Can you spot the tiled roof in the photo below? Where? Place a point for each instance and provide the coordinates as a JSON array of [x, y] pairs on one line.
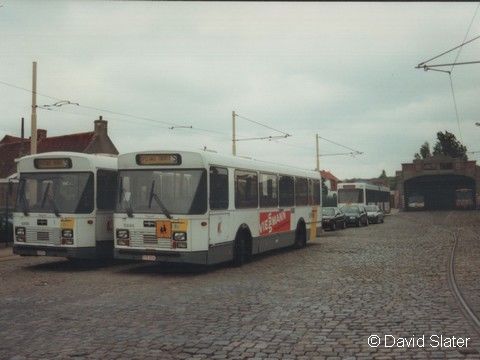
[[11, 148], [328, 175]]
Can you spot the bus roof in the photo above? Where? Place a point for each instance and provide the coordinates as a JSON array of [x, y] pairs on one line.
[[361, 185], [87, 161], [191, 159]]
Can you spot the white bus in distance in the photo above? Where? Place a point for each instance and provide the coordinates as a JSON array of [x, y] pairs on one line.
[[364, 194], [205, 208], [65, 205]]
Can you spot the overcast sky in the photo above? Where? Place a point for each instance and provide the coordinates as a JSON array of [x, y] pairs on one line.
[[342, 70]]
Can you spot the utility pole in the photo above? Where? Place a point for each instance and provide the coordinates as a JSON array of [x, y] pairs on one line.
[[318, 154], [33, 139], [234, 140]]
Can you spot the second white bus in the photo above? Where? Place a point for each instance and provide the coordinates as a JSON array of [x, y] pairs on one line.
[[364, 194], [204, 208]]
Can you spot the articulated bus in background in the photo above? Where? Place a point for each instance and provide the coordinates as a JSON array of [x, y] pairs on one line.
[[364, 194], [65, 204], [204, 208]]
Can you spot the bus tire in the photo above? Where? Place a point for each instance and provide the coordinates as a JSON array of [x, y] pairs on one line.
[[242, 252], [300, 236]]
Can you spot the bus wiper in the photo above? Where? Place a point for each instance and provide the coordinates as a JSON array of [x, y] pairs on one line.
[[129, 209], [50, 199], [153, 195], [23, 198]]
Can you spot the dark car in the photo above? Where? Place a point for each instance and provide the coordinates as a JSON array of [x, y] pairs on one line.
[[333, 218], [375, 215], [355, 215]]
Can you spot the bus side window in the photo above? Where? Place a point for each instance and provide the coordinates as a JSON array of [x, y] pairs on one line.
[[268, 190], [106, 189], [218, 188], [301, 191], [246, 189], [286, 190]]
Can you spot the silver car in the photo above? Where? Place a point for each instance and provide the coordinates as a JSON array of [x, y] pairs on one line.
[[375, 214]]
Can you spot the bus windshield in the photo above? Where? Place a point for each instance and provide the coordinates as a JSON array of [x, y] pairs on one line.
[[346, 196], [70, 192], [163, 191]]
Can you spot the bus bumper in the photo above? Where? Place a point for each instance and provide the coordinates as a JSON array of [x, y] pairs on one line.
[[39, 250], [190, 257]]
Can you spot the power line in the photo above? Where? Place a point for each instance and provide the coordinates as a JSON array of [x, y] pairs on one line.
[[455, 106], [465, 37], [61, 102], [344, 146], [423, 63], [261, 124]]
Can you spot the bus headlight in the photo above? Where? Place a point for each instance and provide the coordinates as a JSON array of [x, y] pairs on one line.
[[180, 236], [67, 233], [123, 237], [67, 236], [20, 233]]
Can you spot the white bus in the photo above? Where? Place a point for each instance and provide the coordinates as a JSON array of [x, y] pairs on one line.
[[64, 206], [364, 194], [204, 208]]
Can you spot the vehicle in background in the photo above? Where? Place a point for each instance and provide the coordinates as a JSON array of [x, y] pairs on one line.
[[205, 208], [464, 199], [374, 214], [416, 202], [355, 215], [364, 194], [333, 218], [64, 205]]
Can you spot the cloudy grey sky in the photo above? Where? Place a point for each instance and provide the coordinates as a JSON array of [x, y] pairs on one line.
[[344, 70]]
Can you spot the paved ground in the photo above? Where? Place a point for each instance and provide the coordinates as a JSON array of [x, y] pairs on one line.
[[320, 302]]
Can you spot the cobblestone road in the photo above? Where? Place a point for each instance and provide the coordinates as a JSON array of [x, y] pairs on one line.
[[319, 302]]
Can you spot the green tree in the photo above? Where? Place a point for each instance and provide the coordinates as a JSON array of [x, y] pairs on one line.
[[324, 188], [424, 152], [447, 144], [383, 175]]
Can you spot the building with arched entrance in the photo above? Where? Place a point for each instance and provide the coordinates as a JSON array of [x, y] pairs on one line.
[[438, 183]]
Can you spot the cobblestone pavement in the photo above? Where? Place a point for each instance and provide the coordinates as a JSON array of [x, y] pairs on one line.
[[319, 302]]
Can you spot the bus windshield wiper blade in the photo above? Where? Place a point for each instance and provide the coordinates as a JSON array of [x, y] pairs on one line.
[[23, 197], [121, 192], [50, 200], [153, 195]]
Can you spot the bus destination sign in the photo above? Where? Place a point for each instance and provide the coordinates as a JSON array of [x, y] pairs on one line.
[[159, 159], [58, 163]]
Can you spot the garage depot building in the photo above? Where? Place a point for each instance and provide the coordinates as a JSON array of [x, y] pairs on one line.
[[438, 183]]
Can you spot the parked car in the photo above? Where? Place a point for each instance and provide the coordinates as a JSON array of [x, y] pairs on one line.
[[355, 215], [375, 214], [333, 218]]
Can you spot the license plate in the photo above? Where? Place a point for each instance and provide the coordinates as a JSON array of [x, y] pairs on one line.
[[41, 252], [149, 257]]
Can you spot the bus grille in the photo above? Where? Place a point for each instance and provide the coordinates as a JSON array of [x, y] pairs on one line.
[[149, 239], [145, 238], [43, 235]]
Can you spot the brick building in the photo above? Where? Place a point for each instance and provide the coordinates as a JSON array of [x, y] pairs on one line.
[[435, 180]]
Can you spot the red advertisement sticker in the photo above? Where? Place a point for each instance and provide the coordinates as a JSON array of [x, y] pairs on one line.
[[272, 222]]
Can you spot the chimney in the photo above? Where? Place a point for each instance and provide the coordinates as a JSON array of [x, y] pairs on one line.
[[101, 128], [41, 134]]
